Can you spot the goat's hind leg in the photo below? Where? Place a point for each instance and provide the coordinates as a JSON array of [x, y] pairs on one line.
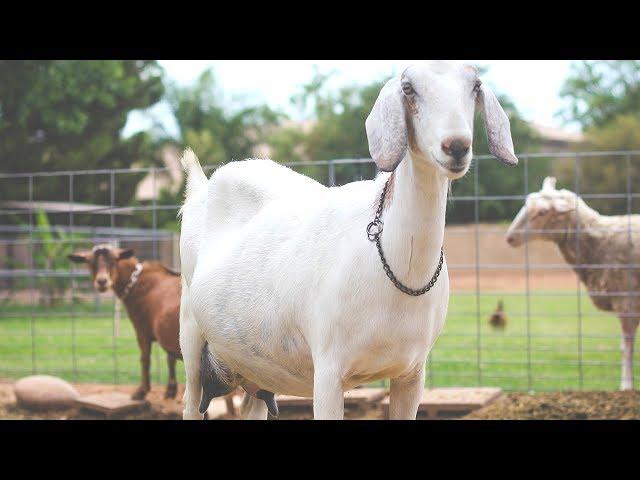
[[172, 385], [191, 345], [629, 326], [406, 393], [253, 408]]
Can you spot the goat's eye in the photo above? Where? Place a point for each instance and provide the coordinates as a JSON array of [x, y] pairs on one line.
[[476, 86], [407, 89]]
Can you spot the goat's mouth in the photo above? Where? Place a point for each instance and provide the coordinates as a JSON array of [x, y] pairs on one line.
[[512, 240], [102, 288], [457, 169]]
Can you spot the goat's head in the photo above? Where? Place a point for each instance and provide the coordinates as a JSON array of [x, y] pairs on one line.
[[428, 110], [103, 264], [541, 214]]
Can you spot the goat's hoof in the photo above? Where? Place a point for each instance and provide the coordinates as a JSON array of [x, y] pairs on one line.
[[139, 394], [171, 391]]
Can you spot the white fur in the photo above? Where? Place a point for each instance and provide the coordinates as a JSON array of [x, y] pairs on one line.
[[288, 291]]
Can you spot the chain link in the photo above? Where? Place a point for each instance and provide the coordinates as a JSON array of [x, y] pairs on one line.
[[374, 231]]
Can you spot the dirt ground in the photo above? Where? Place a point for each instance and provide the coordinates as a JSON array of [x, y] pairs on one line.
[[563, 406], [161, 409], [511, 406]]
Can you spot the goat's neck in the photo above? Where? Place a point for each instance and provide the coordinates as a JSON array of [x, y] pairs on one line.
[[414, 218], [575, 233], [125, 269]]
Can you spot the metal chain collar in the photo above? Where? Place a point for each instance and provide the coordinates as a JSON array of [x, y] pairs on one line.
[[374, 231], [132, 280]]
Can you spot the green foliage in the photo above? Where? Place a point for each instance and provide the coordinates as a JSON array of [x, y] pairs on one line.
[[337, 132], [620, 133], [51, 247], [607, 174], [604, 97], [215, 133], [68, 115], [598, 91]]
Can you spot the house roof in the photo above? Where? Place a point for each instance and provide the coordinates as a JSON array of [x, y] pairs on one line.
[[169, 179], [555, 134]]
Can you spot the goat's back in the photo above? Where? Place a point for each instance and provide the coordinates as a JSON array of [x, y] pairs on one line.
[[235, 193]]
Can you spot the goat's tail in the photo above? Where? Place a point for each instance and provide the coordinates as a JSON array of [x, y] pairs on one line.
[[196, 179]]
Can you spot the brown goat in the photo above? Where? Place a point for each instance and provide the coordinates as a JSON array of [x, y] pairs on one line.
[[151, 294]]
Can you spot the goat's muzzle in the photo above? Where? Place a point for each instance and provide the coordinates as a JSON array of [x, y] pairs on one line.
[[102, 284]]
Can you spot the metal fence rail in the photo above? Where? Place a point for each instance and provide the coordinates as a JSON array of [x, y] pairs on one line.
[[51, 320]]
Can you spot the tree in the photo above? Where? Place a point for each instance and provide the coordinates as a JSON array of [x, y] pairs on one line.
[[217, 133], [607, 174], [67, 115], [598, 91], [604, 97], [337, 131]]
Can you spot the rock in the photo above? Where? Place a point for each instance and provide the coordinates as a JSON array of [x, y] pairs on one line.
[[41, 392]]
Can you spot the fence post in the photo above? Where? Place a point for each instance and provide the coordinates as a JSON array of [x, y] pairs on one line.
[[527, 279], [32, 286], [579, 286], [116, 303], [73, 288], [476, 188]]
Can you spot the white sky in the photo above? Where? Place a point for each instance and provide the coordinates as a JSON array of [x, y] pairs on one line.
[[533, 85]]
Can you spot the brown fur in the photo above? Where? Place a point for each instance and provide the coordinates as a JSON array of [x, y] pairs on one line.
[[153, 305]]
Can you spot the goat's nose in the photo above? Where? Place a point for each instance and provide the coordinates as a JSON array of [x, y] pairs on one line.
[[456, 147], [101, 282]]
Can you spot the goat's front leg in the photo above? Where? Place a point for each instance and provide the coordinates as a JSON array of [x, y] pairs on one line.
[[405, 395], [144, 342], [629, 327], [328, 393], [172, 385]]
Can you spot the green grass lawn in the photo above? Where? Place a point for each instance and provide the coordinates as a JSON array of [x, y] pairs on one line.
[[549, 349]]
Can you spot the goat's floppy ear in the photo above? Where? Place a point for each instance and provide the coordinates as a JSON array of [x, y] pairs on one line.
[[549, 183], [498, 129], [124, 253], [386, 127], [82, 256]]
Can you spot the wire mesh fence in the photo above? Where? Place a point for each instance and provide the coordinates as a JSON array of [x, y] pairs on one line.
[[53, 322]]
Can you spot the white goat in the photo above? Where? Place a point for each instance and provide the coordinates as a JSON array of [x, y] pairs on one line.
[[588, 240], [280, 279]]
